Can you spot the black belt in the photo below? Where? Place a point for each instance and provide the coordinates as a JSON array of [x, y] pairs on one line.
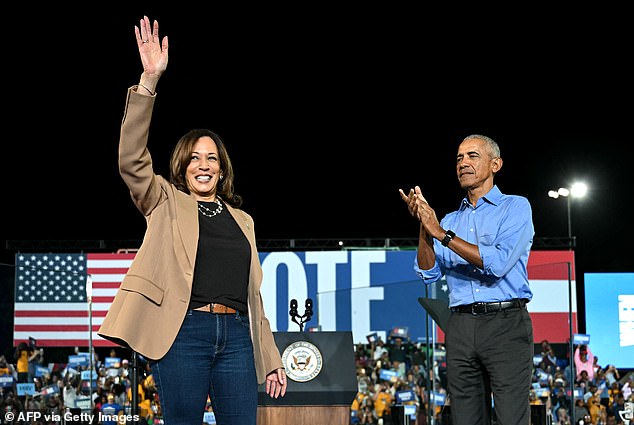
[[492, 307]]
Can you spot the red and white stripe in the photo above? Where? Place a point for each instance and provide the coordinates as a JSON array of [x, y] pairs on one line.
[[554, 295], [59, 324]]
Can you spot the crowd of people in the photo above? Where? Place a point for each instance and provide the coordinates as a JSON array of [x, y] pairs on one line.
[[600, 391], [394, 379], [386, 370], [61, 391]]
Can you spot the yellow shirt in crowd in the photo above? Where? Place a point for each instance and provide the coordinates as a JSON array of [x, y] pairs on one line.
[[23, 362], [382, 403]]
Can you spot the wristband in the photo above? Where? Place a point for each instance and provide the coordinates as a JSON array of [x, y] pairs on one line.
[[449, 235]]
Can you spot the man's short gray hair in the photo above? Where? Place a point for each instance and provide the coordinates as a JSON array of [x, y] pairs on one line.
[[494, 149]]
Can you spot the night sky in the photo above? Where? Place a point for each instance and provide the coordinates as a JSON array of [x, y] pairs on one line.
[[326, 114]]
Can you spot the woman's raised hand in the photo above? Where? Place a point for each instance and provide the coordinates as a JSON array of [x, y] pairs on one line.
[[152, 50]]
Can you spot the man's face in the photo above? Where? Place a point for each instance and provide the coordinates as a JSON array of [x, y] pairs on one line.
[[475, 164]]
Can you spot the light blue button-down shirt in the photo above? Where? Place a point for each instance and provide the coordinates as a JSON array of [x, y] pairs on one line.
[[502, 227]]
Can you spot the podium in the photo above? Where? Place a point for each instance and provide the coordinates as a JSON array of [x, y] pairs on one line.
[[322, 380]]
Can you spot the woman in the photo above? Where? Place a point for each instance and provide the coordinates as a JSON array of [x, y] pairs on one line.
[[191, 300], [22, 355], [584, 361]]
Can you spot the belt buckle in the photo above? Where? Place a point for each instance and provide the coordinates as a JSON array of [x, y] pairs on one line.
[[474, 308]]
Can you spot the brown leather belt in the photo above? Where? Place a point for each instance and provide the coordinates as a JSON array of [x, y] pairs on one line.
[[217, 309]]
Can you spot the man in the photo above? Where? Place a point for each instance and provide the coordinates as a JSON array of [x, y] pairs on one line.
[[482, 249], [110, 412], [70, 394]]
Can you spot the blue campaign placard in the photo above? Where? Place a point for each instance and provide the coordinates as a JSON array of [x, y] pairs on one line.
[[438, 398], [25, 388], [112, 361], [6, 381], [405, 396], [49, 389], [85, 375], [410, 410], [78, 360], [581, 339], [41, 371], [388, 375]]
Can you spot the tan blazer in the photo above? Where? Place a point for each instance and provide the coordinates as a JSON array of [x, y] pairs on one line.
[[152, 301]]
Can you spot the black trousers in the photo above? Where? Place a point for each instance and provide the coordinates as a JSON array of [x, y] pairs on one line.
[[490, 354]]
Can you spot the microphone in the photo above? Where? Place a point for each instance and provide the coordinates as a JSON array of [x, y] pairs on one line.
[[308, 312], [293, 310]]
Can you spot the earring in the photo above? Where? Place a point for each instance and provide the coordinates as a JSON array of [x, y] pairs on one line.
[[221, 177]]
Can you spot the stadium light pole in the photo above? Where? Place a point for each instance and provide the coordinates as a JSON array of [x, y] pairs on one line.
[[90, 354], [577, 190]]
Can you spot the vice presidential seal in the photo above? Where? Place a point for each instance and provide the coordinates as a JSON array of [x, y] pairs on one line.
[[302, 361]]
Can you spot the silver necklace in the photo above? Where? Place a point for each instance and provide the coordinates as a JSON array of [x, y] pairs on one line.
[[208, 212]]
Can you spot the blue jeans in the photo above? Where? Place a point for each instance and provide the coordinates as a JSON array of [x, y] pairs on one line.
[[212, 355]]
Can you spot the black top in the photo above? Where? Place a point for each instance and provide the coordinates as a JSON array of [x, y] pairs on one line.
[[221, 273]]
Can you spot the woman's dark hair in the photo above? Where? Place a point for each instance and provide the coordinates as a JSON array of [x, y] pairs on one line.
[[181, 157], [18, 350]]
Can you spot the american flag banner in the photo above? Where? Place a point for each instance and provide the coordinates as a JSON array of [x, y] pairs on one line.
[[51, 302]]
